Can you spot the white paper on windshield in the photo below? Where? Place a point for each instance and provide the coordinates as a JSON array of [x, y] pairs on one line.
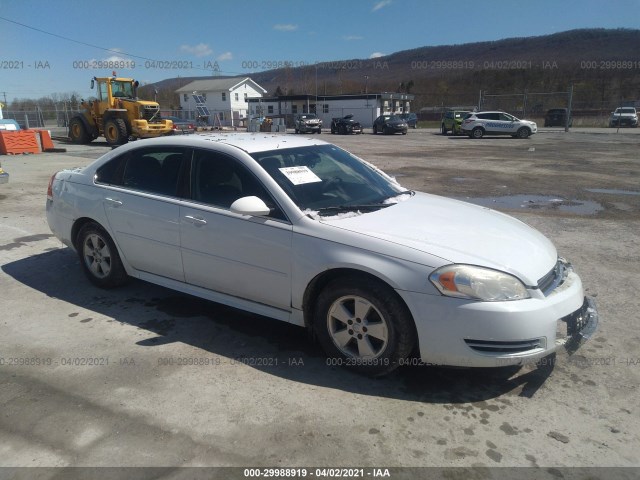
[[300, 175]]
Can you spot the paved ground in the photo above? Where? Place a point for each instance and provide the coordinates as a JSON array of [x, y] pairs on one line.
[[142, 376]]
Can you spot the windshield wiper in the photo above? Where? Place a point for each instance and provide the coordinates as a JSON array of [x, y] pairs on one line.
[[404, 192], [368, 207]]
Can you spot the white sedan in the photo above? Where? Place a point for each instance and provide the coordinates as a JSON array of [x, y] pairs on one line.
[[304, 232]]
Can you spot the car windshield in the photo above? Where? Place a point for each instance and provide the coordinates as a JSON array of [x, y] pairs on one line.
[[327, 179], [308, 116], [626, 110]]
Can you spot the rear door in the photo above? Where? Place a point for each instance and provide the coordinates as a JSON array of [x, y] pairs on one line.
[[141, 198], [240, 255], [491, 122]]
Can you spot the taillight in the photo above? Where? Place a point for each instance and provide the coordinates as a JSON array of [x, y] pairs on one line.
[[50, 187]]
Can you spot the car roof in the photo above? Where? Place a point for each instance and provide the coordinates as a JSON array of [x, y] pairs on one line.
[[248, 142], [490, 111]]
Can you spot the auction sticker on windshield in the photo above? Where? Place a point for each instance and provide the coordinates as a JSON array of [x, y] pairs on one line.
[[300, 175]]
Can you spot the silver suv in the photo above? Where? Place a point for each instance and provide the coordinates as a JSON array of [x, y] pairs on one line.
[[478, 124], [308, 122], [624, 117]]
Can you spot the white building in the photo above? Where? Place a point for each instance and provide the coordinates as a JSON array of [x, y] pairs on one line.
[[226, 99], [365, 108]]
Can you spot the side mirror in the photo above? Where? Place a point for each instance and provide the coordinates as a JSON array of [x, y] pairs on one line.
[[253, 206], [93, 83]]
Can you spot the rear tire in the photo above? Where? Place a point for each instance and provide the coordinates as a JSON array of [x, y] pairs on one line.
[[477, 133], [99, 257], [115, 132], [443, 129], [363, 325]]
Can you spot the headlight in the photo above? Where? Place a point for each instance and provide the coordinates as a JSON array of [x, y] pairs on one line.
[[477, 283]]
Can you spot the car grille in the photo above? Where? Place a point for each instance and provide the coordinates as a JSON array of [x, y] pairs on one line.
[[554, 278], [491, 346]]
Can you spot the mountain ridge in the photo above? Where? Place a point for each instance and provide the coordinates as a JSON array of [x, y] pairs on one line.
[[598, 61]]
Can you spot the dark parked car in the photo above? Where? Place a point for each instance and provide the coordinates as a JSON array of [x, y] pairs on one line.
[[557, 117], [345, 125], [181, 126], [389, 124], [411, 119]]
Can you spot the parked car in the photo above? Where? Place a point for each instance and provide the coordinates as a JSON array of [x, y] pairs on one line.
[[389, 124], [4, 176], [181, 126], [624, 117], [307, 122], [307, 233], [557, 117], [478, 124], [411, 119], [452, 121], [345, 125]]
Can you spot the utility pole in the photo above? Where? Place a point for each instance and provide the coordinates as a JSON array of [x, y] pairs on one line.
[[566, 120]]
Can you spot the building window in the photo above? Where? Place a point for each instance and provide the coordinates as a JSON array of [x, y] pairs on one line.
[[294, 108], [186, 97], [325, 108], [270, 109], [245, 96], [237, 97], [224, 96]]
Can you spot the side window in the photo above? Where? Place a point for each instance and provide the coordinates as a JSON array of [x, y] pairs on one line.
[[219, 180], [153, 170], [505, 117], [111, 172]]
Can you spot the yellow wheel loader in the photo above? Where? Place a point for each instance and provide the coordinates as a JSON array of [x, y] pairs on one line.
[[117, 114]]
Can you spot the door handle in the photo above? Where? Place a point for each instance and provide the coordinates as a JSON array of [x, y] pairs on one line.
[[113, 201], [196, 220]]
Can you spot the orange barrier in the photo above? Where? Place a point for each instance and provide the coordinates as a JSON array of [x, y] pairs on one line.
[[45, 140], [18, 142]]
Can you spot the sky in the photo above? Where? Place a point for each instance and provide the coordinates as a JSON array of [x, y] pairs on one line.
[[49, 47]]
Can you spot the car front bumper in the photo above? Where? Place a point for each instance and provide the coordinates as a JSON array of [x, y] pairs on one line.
[[466, 333], [309, 128], [624, 122]]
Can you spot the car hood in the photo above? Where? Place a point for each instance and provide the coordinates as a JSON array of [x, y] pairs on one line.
[[458, 232]]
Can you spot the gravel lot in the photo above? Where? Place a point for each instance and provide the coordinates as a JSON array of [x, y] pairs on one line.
[[143, 376]]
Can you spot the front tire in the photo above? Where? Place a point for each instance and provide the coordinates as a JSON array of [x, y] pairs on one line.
[[99, 257], [523, 132], [78, 132], [115, 132], [443, 129], [364, 326]]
